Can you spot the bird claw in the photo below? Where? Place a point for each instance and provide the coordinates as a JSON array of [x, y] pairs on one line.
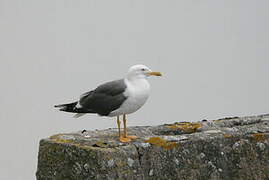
[[132, 137], [127, 139]]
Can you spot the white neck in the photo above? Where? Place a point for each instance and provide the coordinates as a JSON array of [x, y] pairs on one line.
[[132, 77], [138, 84]]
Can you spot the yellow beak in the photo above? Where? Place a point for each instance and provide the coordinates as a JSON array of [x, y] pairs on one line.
[[154, 74]]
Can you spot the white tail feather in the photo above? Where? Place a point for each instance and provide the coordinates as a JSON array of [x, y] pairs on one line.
[[78, 115]]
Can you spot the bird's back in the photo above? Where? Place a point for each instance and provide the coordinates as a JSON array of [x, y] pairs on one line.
[[105, 98]]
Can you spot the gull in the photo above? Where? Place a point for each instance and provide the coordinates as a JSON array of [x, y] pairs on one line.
[[116, 98]]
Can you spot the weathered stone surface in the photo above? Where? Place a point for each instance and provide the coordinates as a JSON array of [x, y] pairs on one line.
[[229, 148]]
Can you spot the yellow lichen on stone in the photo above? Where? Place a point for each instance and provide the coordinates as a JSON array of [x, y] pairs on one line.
[[186, 127], [120, 163], [57, 138], [161, 142], [227, 135], [258, 136], [217, 120], [100, 144]]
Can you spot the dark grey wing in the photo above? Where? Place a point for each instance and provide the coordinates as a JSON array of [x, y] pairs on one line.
[[105, 98]]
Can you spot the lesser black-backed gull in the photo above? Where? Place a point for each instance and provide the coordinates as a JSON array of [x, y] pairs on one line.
[[115, 98]]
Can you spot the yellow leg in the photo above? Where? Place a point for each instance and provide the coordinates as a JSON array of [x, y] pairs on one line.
[[125, 135], [124, 126], [122, 138], [118, 122]]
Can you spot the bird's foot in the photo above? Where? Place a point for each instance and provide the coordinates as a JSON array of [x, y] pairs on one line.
[[132, 137], [127, 138]]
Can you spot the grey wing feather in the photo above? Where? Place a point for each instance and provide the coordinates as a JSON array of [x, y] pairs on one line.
[[105, 98]]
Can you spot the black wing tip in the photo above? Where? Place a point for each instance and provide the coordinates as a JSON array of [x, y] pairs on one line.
[[60, 105], [60, 108]]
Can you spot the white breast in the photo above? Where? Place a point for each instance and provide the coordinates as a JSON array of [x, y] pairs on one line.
[[137, 93]]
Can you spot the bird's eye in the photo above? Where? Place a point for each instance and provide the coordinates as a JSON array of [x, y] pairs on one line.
[[143, 69]]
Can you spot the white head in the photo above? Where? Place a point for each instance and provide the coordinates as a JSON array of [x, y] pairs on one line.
[[141, 71]]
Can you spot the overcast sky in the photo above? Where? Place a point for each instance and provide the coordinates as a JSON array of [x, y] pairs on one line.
[[213, 54]]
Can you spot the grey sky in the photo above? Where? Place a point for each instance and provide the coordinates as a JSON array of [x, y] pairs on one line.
[[213, 54]]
